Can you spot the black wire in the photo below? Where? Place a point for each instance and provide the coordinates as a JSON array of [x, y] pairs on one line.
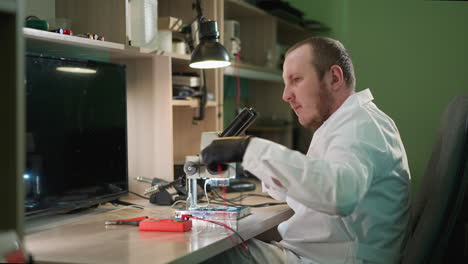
[[227, 200], [250, 205], [245, 195], [202, 100], [197, 6], [139, 195], [119, 202]]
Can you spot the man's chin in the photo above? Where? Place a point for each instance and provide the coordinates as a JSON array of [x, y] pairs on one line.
[[304, 123], [310, 124]]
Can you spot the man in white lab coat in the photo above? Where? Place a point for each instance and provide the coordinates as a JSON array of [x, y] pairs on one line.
[[351, 192]]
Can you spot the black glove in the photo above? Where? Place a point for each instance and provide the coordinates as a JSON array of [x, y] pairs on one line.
[[224, 150]]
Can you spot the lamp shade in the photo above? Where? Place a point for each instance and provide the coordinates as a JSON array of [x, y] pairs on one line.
[[209, 55]]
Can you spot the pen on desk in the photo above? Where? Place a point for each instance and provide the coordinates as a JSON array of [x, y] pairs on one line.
[[131, 221]]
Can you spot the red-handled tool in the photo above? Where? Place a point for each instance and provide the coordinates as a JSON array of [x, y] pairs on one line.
[[130, 221]]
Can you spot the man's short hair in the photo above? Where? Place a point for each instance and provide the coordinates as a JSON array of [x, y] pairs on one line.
[[328, 52]]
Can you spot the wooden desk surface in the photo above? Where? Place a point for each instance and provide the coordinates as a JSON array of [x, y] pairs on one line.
[[88, 240]]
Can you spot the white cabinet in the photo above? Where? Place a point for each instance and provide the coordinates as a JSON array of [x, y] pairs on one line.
[[161, 131]]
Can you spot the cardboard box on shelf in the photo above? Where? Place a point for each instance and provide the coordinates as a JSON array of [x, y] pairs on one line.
[[170, 23]]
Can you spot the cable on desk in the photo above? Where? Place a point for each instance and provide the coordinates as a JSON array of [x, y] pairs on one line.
[[176, 202], [113, 212], [245, 195], [206, 195], [244, 246], [119, 202], [139, 195], [137, 206], [251, 205]]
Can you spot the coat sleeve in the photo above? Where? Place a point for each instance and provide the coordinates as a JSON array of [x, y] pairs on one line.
[[277, 193], [333, 185]]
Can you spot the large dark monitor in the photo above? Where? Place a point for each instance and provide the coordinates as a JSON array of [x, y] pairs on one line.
[[76, 134]]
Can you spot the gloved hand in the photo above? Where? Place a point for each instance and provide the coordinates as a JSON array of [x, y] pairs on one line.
[[225, 150]]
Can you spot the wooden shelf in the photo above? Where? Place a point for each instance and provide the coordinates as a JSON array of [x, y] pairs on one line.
[[182, 58], [177, 56], [254, 72], [192, 103], [237, 8], [54, 43], [240, 9]]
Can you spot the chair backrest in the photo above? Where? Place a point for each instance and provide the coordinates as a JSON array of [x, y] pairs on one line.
[[438, 201]]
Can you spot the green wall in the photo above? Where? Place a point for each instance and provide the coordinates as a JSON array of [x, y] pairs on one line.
[[411, 54]]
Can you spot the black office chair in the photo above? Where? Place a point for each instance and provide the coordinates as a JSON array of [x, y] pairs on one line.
[[436, 209]]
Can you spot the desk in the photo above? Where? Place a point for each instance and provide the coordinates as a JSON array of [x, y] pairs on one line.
[[88, 240]]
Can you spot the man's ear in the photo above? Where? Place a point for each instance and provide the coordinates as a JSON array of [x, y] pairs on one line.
[[336, 77]]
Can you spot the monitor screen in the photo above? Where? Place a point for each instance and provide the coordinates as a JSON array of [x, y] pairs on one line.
[[76, 133]]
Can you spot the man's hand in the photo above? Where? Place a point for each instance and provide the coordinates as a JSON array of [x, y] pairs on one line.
[[225, 150]]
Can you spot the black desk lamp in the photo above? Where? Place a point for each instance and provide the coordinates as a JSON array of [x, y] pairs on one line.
[[208, 54]]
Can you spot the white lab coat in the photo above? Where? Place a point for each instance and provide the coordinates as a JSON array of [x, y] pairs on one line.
[[350, 194]]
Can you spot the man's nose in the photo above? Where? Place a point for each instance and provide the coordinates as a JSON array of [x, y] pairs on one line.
[[287, 94]]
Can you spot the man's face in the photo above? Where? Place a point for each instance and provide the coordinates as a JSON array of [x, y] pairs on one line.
[[310, 98]]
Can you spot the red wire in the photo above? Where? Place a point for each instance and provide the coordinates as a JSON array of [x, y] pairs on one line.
[[245, 246], [220, 171]]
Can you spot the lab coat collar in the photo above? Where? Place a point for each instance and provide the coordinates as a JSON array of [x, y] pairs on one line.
[[363, 96]]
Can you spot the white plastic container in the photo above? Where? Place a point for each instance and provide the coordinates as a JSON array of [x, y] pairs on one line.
[[143, 28], [165, 40]]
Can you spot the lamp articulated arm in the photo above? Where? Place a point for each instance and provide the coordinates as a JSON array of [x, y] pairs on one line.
[[209, 53], [197, 6]]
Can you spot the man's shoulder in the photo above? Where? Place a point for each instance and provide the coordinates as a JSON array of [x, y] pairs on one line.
[[363, 123], [360, 117]]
